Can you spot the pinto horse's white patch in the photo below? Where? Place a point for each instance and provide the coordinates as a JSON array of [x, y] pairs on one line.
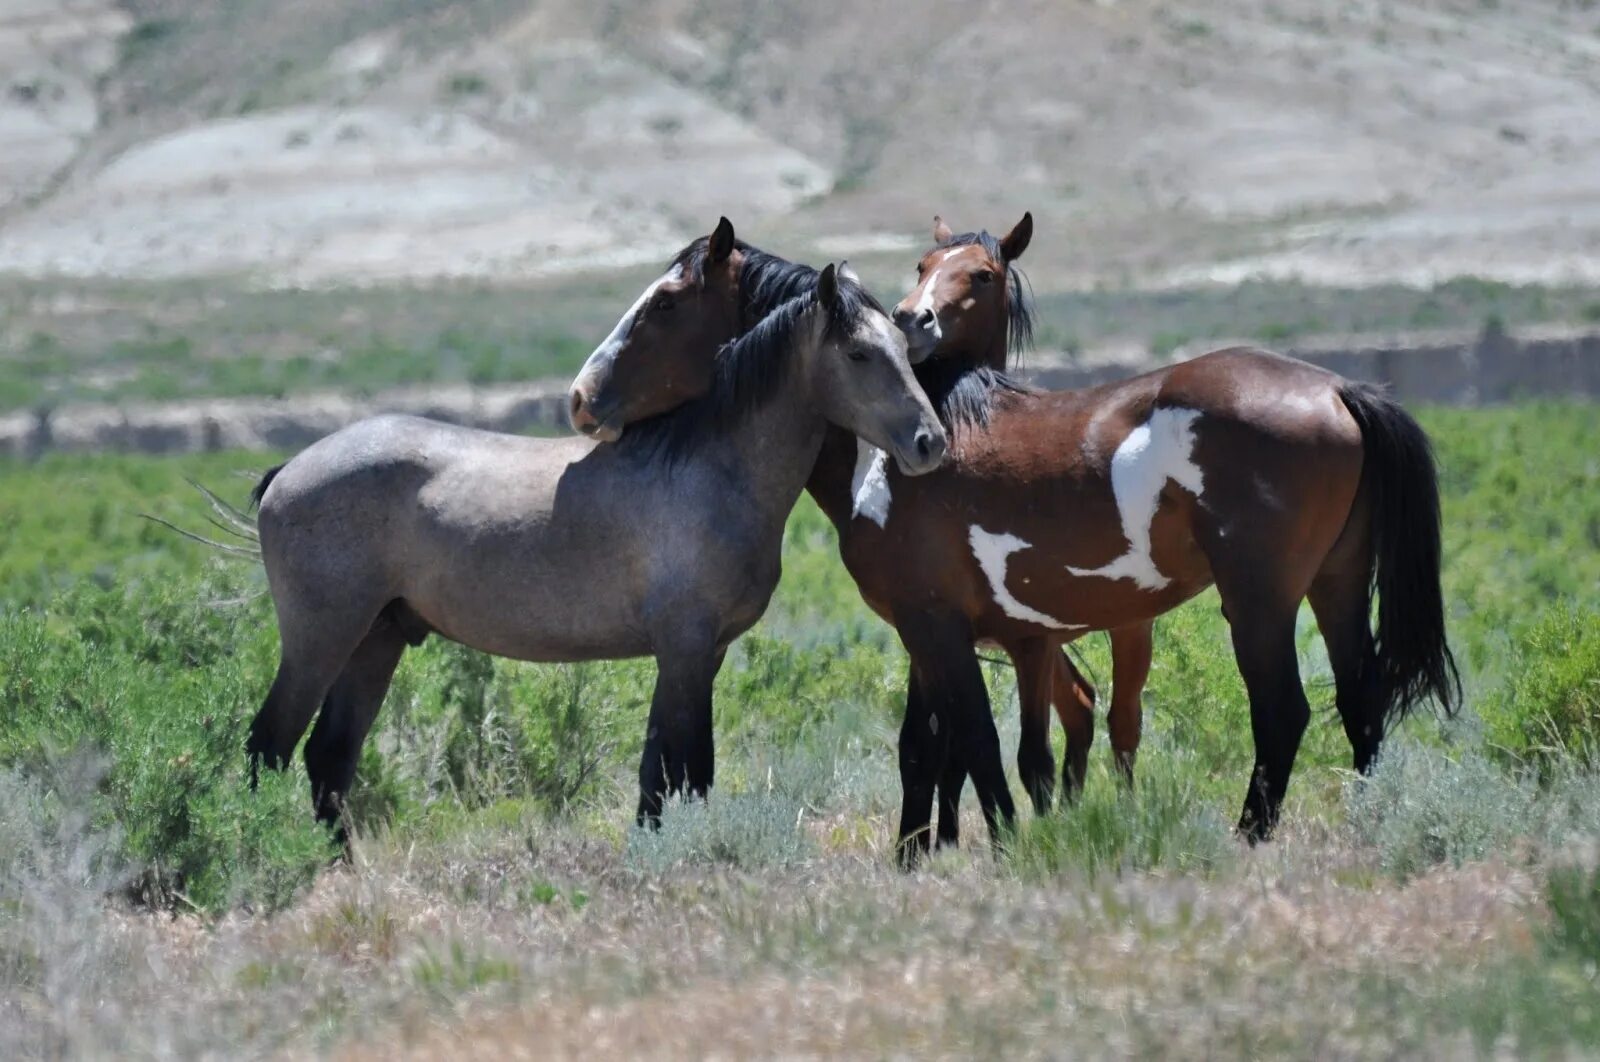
[[1158, 450], [992, 551], [869, 486]]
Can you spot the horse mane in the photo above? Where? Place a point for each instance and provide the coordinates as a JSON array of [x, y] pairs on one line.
[[965, 395], [1019, 292], [749, 371]]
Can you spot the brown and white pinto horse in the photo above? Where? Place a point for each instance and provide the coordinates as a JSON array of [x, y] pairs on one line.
[[1060, 513]]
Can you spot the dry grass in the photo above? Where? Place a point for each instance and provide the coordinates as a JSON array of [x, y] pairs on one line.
[[524, 938]]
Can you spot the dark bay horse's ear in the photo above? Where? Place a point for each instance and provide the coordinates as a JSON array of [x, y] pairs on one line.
[[941, 231], [1016, 241], [827, 287], [721, 241]]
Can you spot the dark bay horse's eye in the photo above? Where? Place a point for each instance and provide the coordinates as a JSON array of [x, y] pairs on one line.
[[983, 276], [662, 302]]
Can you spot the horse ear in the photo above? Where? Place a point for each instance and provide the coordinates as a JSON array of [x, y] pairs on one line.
[[828, 287], [846, 273], [941, 231], [1016, 241], [722, 241]]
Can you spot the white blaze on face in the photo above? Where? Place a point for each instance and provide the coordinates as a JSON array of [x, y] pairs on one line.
[[992, 552], [869, 486], [925, 300], [600, 360], [1158, 450]]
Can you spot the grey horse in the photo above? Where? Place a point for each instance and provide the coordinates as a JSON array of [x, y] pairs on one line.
[[561, 550]]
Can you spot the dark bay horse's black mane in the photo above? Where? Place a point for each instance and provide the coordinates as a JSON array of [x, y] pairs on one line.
[[774, 294]]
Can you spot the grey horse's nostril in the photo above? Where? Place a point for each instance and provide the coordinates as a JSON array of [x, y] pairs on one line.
[[928, 446], [577, 402]]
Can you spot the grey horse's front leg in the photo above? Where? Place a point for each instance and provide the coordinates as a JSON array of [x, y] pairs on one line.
[[679, 751]]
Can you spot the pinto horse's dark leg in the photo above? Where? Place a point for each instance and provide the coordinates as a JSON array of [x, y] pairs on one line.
[[334, 748], [1263, 645], [679, 750], [1342, 606], [953, 706], [1036, 661], [1130, 669]]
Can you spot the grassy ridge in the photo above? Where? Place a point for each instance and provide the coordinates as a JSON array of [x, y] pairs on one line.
[[131, 661]]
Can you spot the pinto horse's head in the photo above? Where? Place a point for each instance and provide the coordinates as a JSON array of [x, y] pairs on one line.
[[660, 353], [970, 300]]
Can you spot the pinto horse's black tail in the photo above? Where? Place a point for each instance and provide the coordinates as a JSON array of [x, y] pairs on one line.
[[260, 490], [1398, 475]]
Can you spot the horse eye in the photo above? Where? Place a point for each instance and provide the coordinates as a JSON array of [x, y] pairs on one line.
[[984, 276], [857, 354], [662, 302]]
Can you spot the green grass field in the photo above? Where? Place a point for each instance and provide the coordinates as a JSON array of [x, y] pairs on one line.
[[151, 904], [124, 341]]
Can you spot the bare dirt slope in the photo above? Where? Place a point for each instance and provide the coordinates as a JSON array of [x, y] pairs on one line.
[[1156, 142]]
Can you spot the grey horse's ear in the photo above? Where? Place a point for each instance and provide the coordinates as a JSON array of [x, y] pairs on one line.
[[1016, 241], [828, 287], [721, 241], [846, 273], [941, 231]]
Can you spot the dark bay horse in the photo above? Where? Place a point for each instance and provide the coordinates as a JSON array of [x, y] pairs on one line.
[[1065, 512], [561, 550]]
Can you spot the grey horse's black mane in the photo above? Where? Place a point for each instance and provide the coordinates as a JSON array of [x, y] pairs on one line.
[[774, 295], [1019, 301]]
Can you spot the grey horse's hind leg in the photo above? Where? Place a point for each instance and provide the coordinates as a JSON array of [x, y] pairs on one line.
[[314, 653], [334, 748]]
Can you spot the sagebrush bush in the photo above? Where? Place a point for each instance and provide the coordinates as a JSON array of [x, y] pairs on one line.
[[1548, 711], [745, 831], [1424, 806]]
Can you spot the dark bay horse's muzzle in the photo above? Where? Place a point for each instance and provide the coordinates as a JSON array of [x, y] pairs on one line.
[[586, 417]]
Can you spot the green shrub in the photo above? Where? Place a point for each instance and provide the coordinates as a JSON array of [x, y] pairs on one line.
[[1166, 821], [1549, 710], [1573, 895]]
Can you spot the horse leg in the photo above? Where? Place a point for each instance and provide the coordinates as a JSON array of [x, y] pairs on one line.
[[951, 782], [1130, 669], [1036, 661], [954, 705], [1342, 605], [1074, 700], [679, 750], [1263, 646], [348, 711], [314, 653]]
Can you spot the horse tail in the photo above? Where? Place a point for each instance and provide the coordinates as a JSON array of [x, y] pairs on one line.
[[1401, 481], [260, 490]]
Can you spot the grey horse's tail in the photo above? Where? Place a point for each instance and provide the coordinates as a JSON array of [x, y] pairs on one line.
[[260, 490]]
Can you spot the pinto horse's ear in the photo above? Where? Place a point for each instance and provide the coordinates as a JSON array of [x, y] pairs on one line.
[[941, 231], [1016, 241], [721, 241], [828, 287]]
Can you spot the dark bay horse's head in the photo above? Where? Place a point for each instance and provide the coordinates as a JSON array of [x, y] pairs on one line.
[[660, 353], [969, 301]]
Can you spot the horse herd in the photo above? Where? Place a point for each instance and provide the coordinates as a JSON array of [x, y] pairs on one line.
[[970, 509]]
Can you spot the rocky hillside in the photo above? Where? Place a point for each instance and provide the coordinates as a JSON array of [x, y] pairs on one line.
[[306, 141]]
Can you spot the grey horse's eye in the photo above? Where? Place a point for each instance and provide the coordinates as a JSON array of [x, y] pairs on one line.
[[857, 354]]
